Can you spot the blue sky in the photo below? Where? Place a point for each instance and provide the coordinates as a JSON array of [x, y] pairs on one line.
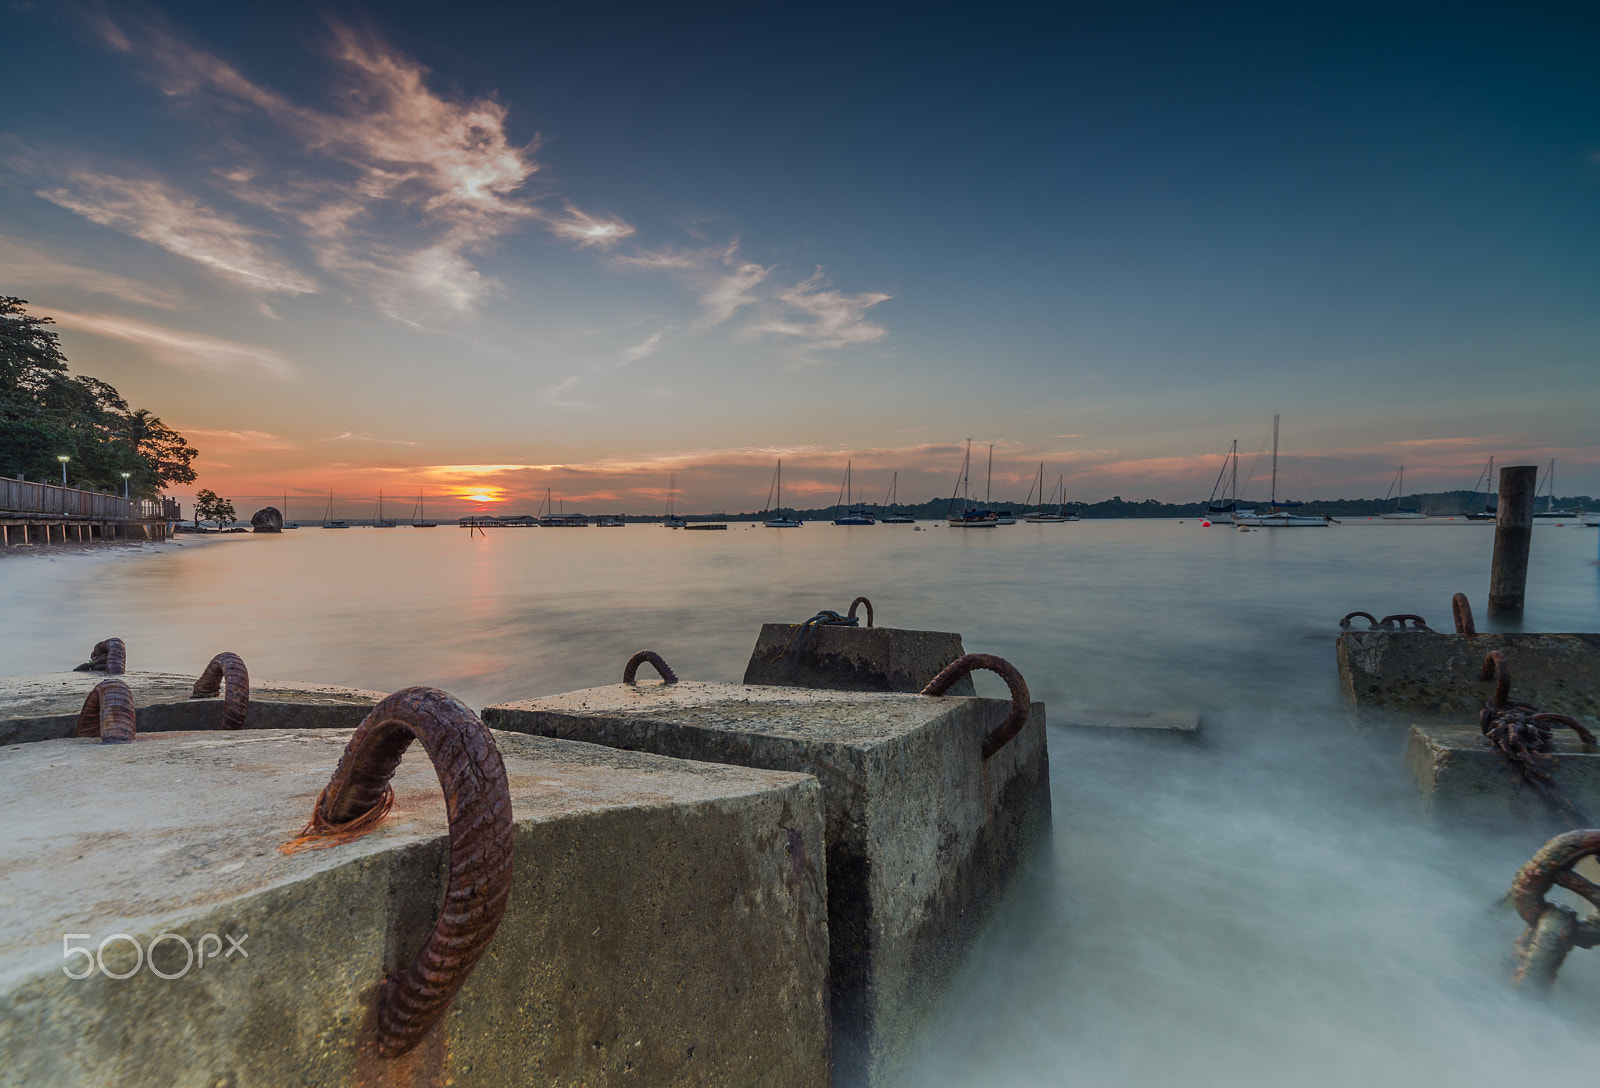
[[355, 247]]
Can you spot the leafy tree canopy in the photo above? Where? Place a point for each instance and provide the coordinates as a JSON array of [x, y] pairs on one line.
[[209, 506], [46, 412]]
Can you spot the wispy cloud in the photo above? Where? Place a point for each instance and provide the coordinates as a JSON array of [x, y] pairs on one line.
[[149, 209], [363, 436], [818, 317], [21, 263], [648, 346], [556, 394], [190, 351], [392, 187], [254, 440]]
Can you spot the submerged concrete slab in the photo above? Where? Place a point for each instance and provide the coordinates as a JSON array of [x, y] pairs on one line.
[[1464, 781], [853, 658], [923, 836], [1171, 722], [45, 706], [666, 922], [1392, 680]]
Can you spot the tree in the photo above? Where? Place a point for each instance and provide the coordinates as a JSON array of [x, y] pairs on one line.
[[46, 412], [208, 506]]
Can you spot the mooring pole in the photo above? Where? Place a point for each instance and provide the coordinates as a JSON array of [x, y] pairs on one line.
[[1513, 533]]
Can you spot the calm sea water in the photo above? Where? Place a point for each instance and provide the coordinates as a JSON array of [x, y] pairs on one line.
[[1265, 909]]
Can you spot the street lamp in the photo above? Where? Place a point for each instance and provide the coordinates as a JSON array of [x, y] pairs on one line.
[[125, 476], [63, 458]]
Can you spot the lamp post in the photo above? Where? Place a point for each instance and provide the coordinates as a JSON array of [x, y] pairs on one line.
[[125, 476], [63, 458]]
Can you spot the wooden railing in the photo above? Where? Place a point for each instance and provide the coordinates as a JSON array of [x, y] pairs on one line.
[[27, 497]]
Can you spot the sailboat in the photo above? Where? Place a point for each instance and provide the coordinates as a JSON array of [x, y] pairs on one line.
[[967, 517], [890, 501], [284, 513], [379, 522], [1001, 517], [419, 519], [1280, 518], [563, 520], [1217, 510], [329, 521], [844, 512], [1491, 508], [1044, 514], [1549, 512], [778, 520], [1401, 512], [672, 520]]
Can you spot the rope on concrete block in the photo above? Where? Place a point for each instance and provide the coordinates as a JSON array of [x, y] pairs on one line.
[[478, 800], [1021, 703], [236, 702], [108, 713], [109, 657], [1520, 731], [1553, 930], [852, 612], [632, 669]]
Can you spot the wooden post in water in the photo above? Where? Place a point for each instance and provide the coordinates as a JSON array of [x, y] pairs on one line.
[[1513, 533]]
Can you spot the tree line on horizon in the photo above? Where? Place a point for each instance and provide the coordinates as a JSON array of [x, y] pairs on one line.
[[47, 413]]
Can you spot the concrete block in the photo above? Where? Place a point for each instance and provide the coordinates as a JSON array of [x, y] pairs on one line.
[[923, 836], [853, 658], [666, 924], [1392, 679], [45, 706], [1464, 781], [1170, 723]]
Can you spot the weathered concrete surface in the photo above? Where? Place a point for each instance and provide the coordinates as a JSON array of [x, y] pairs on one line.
[[661, 930], [1171, 722], [854, 658], [45, 706], [1392, 680], [1464, 781], [923, 837]]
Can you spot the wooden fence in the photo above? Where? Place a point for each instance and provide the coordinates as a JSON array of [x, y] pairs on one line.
[[24, 497]]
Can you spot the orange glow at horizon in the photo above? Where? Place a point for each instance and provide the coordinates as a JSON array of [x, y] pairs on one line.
[[483, 494]]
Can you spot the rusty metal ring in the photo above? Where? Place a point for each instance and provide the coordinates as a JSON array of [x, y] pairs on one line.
[[236, 704], [852, 613], [1552, 865], [1399, 620], [1372, 621], [1495, 668], [1021, 704], [478, 800], [108, 713], [1461, 611], [109, 657], [632, 670]]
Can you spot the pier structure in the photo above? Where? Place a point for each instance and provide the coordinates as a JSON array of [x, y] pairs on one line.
[[39, 513]]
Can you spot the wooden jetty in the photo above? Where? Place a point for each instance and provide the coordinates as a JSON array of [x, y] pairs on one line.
[[38, 513]]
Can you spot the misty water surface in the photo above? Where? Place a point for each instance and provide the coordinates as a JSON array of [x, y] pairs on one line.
[[1267, 909]]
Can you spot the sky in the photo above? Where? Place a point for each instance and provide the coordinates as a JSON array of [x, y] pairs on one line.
[[482, 251]]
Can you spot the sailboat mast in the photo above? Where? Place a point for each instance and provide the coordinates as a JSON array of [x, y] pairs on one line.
[[1274, 499], [988, 483], [1233, 483]]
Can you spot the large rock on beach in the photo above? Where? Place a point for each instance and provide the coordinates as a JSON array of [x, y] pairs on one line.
[[269, 519]]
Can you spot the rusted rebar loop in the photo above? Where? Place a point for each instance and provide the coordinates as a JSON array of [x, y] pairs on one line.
[[108, 713], [1021, 704], [1389, 623], [852, 613], [478, 800], [632, 669], [1372, 621], [1553, 930], [109, 657], [1461, 611], [1520, 730], [236, 702]]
